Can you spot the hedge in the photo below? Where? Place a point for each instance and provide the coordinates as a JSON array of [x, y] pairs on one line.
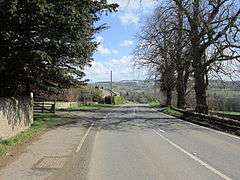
[[118, 100], [115, 100]]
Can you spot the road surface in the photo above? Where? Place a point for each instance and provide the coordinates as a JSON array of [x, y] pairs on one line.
[[138, 143]]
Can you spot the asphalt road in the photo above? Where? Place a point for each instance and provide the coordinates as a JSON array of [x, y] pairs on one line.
[[129, 143], [138, 143]]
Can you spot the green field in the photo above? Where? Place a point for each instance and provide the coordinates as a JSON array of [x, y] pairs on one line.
[[224, 92]]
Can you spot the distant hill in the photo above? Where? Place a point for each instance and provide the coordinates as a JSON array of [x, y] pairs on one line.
[[230, 85], [143, 90], [148, 85], [125, 86]]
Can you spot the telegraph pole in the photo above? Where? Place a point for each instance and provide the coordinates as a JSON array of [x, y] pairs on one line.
[[111, 87], [155, 87]]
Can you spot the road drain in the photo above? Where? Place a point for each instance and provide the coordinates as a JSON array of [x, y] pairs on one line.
[[50, 163]]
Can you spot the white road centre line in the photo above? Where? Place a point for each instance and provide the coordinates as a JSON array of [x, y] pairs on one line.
[[213, 130], [212, 169]]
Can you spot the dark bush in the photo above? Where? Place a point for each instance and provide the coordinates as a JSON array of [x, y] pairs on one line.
[[116, 100]]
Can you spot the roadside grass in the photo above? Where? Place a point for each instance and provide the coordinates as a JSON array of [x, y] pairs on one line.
[[42, 121], [228, 113], [172, 112], [154, 104], [88, 107]]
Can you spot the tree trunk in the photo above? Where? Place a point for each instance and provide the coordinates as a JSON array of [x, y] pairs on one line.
[[181, 92], [169, 97], [200, 90]]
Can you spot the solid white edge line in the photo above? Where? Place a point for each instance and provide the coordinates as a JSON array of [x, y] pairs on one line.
[[213, 130], [84, 138], [212, 169], [86, 134]]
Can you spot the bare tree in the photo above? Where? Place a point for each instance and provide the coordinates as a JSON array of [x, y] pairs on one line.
[[213, 31], [164, 48]]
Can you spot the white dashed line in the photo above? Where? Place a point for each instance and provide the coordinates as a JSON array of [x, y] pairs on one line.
[[161, 130], [212, 169]]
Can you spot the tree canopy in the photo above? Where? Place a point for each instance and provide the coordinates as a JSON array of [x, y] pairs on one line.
[[46, 44]]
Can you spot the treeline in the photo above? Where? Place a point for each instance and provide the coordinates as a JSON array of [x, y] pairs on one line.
[[188, 40], [45, 45], [73, 94]]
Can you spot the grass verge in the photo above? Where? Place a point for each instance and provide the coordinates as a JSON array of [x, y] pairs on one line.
[[172, 112], [154, 104], [42, 121], [228, 113]]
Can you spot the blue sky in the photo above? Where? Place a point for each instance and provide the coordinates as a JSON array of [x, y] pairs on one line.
[[117, 43]]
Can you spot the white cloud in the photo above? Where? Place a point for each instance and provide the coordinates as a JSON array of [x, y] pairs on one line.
[[123, 69], [127, 43], [129, 18], [96, 68], [99, 39], [131, 5], [114, 51], [131, 11], [102, 49]]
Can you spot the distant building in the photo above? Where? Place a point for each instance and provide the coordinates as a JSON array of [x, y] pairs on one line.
[[107, 92]]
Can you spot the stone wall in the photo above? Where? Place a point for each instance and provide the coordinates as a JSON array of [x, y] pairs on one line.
[[16, 115], [65, 105]]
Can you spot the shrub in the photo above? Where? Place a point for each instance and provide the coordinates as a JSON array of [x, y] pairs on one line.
[[118, 100], [115, 100], [108, 99]]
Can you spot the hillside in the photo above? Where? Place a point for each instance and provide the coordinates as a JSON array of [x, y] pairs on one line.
[[126, 86], [139, 86]]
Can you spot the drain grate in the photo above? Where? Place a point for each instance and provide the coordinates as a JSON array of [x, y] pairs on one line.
[[50, 163]]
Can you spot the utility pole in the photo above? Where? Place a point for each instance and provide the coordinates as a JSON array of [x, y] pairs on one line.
[[111, 87], [155, 87]]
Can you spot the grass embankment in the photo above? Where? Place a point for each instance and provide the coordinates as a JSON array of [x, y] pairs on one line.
[[154, 104], [89, 107], [42, 121], [178, 114], [166, 110], [172, 112], [228, 113]]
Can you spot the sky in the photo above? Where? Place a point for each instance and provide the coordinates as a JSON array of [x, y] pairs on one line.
[[118, 42]]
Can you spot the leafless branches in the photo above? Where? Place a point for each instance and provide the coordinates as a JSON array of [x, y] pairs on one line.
[[197, 36]]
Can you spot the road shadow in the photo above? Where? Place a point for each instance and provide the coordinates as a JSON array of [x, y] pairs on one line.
[[127, 119]]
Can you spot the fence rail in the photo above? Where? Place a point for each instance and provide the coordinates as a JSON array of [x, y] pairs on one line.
[[47, 107]]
